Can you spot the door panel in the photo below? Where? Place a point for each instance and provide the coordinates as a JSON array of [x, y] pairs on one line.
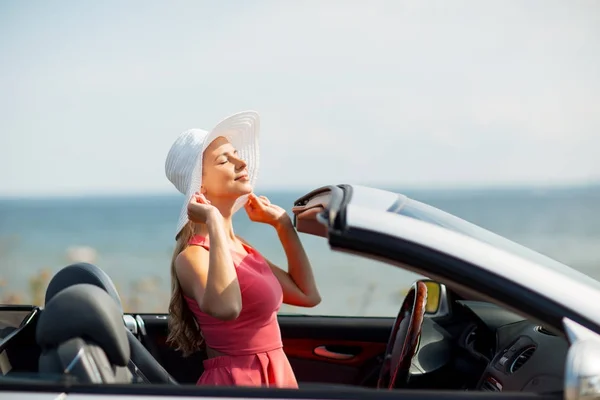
[[335, 349], [337, 352], [320, 349]]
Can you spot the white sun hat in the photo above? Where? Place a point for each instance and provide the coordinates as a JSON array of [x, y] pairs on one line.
[[183, 165]]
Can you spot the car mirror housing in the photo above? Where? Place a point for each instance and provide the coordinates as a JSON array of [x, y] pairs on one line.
[[437, 298], [582, 371]]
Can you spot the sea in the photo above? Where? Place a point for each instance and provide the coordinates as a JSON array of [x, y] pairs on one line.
[[132, 239]]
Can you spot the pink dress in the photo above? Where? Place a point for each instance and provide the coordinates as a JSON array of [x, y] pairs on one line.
[[251, 343]]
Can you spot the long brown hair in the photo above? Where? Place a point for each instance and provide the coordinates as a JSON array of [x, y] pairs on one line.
[[184, 333]]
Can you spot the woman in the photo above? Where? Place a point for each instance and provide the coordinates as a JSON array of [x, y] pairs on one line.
[[224, 294]]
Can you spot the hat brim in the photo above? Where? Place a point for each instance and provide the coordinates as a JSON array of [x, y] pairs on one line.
[[242, 130]]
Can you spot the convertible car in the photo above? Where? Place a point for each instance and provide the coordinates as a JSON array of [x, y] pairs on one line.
[[493, 319]]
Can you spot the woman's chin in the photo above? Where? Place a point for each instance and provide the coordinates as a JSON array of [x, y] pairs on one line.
[[243, 188], [247, 191]]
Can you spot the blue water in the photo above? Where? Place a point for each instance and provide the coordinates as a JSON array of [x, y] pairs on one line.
[[133, 240]]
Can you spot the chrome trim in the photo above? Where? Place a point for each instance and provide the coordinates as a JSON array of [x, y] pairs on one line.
[[74, 361], [576, 332], [582, 371], [130, 323], [136, 372], [589, 387], [26, 321], [582, 366], [544, 331], [29, 317], [141, 325], [444, 308], [523, 351], [444, 305]]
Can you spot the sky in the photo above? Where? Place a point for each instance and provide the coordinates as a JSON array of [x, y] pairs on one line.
[[386, 93]]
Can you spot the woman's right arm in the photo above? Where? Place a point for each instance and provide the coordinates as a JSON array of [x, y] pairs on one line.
[[210, 275]]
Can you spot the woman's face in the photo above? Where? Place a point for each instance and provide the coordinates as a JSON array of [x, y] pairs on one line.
[[224, 174]]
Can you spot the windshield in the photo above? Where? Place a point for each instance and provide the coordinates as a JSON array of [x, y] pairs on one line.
[[423, 212]]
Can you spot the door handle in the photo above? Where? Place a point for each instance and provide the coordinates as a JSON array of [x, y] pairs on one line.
[[324, 352]]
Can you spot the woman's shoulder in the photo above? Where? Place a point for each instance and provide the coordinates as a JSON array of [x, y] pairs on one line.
[[192, 258], [199, 240]]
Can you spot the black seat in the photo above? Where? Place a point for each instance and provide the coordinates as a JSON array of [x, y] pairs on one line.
[[82, 273], [141, 363], [81, 335]]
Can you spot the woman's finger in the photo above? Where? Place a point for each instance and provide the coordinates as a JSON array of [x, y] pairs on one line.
[[255, 201], [265, 199], [249, 208], [202, 199]]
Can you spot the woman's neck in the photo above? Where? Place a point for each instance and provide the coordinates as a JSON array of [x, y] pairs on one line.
[[226, 211]]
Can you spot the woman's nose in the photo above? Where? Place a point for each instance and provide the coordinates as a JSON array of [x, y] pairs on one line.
[[239, 163]]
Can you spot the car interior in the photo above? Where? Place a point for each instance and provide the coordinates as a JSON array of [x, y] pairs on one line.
[[82, 336], [464, 345]]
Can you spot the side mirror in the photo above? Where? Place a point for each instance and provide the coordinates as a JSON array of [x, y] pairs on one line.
[[582, 370], [437, 298]]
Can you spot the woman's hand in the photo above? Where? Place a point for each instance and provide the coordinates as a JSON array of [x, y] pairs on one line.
[[260, 209], [200, 210]]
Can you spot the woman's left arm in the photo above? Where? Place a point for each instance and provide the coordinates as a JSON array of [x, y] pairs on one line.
[[298, 282]]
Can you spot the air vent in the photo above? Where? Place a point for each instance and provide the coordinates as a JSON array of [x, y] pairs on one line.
[[491, 385], [521, 359], [471, 336], [544, 331]]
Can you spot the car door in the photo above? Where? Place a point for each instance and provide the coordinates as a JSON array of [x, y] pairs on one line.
[[321, 349]]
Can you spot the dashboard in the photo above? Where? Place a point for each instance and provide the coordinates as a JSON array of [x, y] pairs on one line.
[[527, 356], [519, 354], [482, 347]]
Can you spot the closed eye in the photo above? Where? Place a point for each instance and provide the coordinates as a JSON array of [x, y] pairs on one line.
[[225, 157]]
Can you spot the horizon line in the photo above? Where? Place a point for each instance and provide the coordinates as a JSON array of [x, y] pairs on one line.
[[306, 189]]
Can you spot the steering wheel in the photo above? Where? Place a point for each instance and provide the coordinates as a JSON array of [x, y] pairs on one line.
[[404, 339]]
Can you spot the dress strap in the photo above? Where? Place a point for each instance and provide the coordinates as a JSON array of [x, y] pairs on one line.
[[199, 240]]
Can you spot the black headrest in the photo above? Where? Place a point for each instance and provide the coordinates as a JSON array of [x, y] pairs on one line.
[[82, 273], [84, 311]]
